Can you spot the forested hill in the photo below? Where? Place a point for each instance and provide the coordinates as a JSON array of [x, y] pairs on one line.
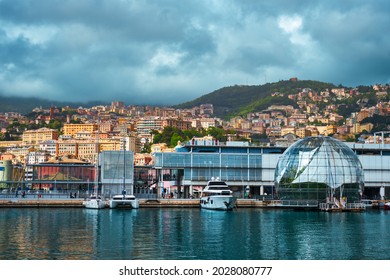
[[240, 99]]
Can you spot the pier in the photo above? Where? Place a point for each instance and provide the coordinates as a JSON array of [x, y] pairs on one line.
[[55, 201], [35, 202]]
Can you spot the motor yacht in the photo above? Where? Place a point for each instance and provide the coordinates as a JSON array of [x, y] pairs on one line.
[[217, 196]]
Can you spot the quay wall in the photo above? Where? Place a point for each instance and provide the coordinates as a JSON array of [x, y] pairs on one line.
[[144, 203], [37, 203]]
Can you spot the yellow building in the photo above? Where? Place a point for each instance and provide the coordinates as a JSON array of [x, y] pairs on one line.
[[87, 149], [72, 129], [39, 135], [287, 129], [331, 129], [66, 148], [7, 144], [366, 126], [362, 115], [303, 132], [322, 129]]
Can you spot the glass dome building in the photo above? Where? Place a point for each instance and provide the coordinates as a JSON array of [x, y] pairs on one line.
[[317, 168]]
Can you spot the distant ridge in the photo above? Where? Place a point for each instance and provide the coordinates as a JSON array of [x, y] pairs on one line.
[[227, 101], [25, 105], [241, 99]]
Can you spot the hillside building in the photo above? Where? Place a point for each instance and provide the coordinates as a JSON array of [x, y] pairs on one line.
[[39, 135]]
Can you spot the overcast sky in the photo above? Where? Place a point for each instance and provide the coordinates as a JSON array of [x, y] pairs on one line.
[[165, 52]]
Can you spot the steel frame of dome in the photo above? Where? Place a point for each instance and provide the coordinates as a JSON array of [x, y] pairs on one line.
[[317, 168]]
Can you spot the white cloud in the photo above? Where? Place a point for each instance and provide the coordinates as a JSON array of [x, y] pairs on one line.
[[166, 58], [290, 24]]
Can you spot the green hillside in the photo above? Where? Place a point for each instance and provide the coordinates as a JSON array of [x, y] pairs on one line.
[[238, 100]]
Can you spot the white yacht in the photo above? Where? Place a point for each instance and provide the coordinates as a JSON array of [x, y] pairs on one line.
[[94, 202], [217, 196], [124, 200]]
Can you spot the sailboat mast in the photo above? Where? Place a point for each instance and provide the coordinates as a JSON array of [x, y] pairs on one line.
[[96, 185], [124, 164]]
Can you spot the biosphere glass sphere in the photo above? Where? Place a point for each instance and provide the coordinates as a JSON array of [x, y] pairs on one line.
[[316, 167]]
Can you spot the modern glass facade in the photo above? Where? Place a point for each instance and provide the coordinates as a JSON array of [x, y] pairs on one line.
[[242, 166], [201, 167], [63, 177], [315, 168], [117, 171]]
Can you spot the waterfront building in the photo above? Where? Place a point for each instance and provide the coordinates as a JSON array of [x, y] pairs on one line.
[[62, 174], [117, 172], [244, 165], [5, 172], [196, 162], [67, 174]]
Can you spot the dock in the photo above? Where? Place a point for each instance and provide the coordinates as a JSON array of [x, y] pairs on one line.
[[144, 203], [41, 203], [53, 202]]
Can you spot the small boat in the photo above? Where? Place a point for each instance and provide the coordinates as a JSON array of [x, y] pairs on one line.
[[94, 202], [217, 196], [386, 206], [124, 200]]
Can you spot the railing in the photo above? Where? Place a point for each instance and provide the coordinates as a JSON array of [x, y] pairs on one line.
[[356, 205], [347, 207], [43, 195], [294, 203]]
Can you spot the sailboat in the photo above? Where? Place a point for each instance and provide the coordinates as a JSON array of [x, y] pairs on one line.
[[124, 199], [95, 201]]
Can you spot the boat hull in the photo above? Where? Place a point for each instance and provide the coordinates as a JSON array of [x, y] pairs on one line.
[[218, 202], [94, 204], [121, 202]]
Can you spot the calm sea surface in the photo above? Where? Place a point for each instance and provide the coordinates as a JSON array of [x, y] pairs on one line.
[[188, 234]]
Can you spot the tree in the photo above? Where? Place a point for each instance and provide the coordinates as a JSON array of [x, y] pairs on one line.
[[175, 138], [55, 124], [217, 133], [147, 148]]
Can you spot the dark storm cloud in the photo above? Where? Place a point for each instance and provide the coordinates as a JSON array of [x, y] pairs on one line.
[[166, 52]]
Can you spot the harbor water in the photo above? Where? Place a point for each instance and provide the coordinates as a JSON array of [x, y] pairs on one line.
[[192, 234]]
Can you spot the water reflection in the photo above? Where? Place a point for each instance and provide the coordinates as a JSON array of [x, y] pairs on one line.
[[191, 234]]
